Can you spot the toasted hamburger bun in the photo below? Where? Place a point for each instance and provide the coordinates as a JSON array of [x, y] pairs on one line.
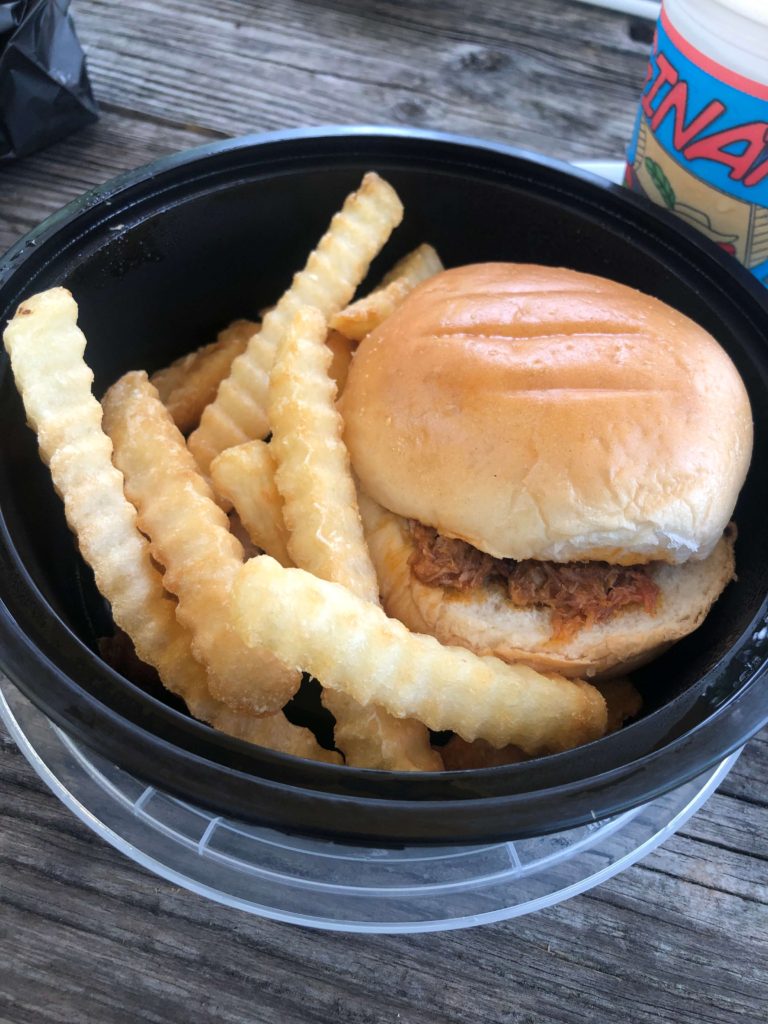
[[537, 412], [540, 413], [484, 621]]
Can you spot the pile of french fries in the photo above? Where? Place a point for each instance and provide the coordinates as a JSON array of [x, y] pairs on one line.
[[246, 431]]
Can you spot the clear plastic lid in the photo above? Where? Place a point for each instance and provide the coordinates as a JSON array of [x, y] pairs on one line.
[[329, 885]]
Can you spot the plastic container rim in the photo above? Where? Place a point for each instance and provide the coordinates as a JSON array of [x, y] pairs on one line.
[[165, 165]]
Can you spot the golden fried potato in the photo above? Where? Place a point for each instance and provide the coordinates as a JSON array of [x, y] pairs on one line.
[[363, 316], [191, 382], [325, 533], [272, 731], [369, 737], [352, 646], [341, 353], [46, 349], [460, 756], [190, 538], [332, 273], [245, 476], [622, 698], [313, 474]]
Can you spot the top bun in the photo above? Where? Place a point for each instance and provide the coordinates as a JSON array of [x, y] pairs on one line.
[[537, 412]]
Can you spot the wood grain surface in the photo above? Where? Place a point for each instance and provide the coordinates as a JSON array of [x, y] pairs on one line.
[[85, 935]]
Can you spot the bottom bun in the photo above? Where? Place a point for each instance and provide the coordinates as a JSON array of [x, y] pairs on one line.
[[486, 622]]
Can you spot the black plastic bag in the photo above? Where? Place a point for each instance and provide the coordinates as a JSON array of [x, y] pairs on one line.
[[44, 89]]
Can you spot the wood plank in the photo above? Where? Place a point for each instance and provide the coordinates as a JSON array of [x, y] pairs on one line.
[[32, 189], [646, 940], [238, 72], [559, 959], [747, 781], [500, 74]]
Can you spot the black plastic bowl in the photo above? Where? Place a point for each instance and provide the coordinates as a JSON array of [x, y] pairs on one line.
[[161, 258]]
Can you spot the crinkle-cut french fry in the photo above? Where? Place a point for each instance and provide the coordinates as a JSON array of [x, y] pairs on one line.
[[416, 266], [389, 549], [313, 472], [191, 382], [272, 731], [458, 755], [351, 645], [622, 699], [189, 535], [369, 737], [245, 476], [187, 678], [341, 352], [325, 533], [363, 316], [46, 349], [328, 282]]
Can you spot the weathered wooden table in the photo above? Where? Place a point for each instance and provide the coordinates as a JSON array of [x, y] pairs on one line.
[[85, 936]]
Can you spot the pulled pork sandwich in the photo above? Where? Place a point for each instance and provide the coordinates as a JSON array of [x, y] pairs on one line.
[[553, 460]]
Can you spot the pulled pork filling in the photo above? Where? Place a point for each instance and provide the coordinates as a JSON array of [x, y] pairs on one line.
[[577, 593]]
